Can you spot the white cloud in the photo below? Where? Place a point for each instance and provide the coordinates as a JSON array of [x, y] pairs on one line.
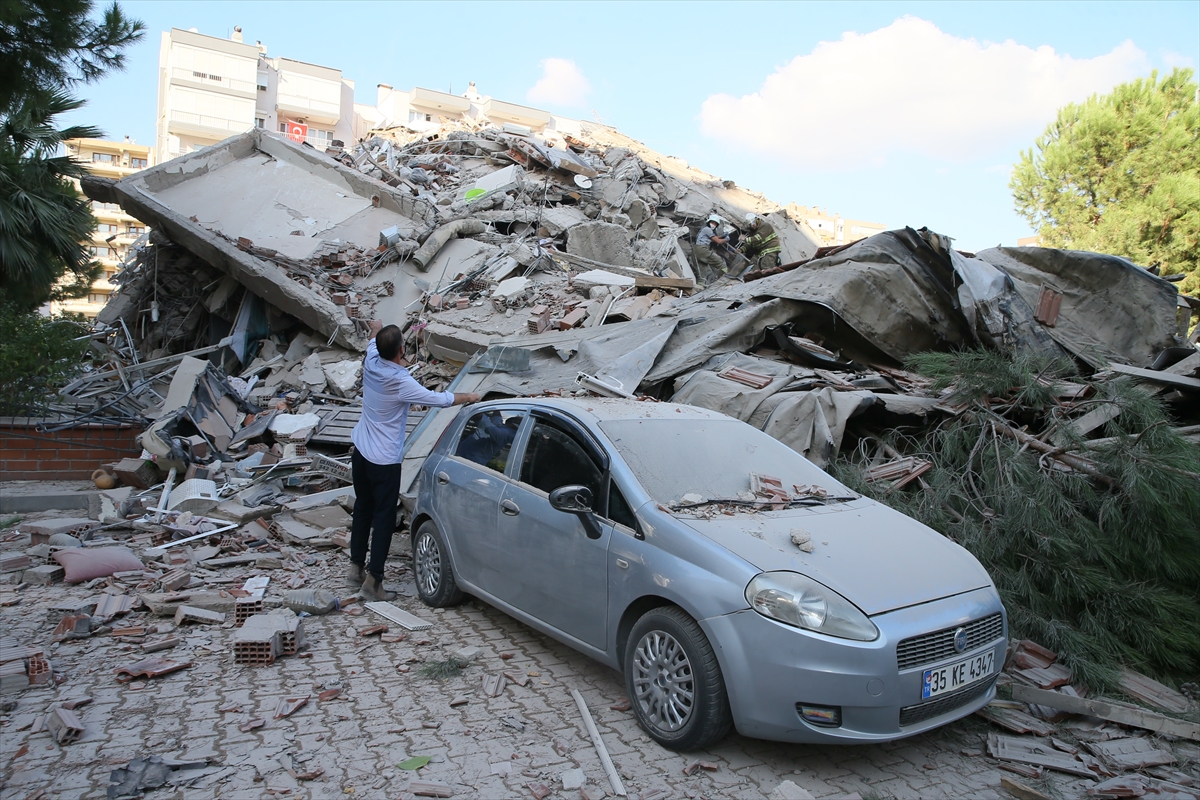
[[1173, 59], [910, 88], [561, 84]]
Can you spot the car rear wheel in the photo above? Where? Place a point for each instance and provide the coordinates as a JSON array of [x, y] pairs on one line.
[[674, 681], [431, 566]]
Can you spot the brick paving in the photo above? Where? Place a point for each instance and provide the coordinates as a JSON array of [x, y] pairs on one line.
[[388, 711]]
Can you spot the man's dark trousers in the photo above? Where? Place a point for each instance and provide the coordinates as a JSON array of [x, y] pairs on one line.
[[376, 492]]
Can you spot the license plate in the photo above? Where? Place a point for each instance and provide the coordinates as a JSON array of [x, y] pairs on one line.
[[955, 676]]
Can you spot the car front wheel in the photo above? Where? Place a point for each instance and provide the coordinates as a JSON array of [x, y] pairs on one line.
[[431, 566], [674, 681]]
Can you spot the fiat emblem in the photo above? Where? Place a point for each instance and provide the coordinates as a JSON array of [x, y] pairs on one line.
[[960, 640]]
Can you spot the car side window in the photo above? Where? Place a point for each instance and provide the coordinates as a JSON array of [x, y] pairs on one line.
[[553, 458], [618, 508], [487, 438]]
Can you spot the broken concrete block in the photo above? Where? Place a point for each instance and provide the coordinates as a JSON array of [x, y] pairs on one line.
[[192, 614], [65, 726], [105, 506], [573, 779], [14, 562], [603, 242], [175, 579], [40, 532], [311, 373], [511, 289], [13, 677], [431, 789], [790, 791], [467, 654], [44, 575], [342, 376]]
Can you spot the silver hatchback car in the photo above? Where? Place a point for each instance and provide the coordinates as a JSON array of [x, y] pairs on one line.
[[730, 580]]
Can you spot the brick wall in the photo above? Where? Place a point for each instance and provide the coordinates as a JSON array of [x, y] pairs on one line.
[[72, 454]]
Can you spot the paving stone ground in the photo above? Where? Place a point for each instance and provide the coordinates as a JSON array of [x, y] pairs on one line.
[[389, 711]]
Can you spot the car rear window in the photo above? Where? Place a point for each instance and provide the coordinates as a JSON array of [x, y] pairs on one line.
[[709, 457]]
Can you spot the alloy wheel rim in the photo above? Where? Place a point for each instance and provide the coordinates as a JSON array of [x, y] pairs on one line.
[[662, 681], [429, 564]]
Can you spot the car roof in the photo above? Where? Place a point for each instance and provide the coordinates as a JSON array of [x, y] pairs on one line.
[[603, 409]]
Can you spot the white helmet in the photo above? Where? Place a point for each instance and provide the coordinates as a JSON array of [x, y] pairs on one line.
[[751, 218], [715, 218]]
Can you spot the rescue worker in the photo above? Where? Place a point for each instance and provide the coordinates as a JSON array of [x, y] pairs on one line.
[[761, 243], [710, 265]]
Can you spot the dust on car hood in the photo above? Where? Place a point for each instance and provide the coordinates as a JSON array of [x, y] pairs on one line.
[[876, 557]]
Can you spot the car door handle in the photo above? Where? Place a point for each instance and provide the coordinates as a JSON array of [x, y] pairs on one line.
[[510, 508], [443, 478]]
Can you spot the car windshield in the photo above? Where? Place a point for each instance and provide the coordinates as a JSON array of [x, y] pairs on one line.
[[713, 458]]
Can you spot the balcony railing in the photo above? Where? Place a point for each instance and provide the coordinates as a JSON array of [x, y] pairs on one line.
[[298, 105], [208, 79], [206, 121]]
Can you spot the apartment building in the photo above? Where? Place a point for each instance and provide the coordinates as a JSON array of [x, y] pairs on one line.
[[211, 88], [832, 229], [115, 230], [422, 109]]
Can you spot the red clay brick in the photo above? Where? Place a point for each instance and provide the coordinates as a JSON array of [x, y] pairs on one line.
[[20, 466]]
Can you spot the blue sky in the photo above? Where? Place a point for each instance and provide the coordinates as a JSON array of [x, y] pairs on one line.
[[900, 113]]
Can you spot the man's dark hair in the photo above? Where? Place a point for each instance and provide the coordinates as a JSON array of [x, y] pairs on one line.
[[389, 341]]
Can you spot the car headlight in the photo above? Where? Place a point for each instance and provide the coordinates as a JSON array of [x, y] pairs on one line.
[[794, 599]]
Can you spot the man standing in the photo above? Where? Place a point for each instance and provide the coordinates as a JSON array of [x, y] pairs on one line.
[[388, 391], [762, 243], [711, 266]]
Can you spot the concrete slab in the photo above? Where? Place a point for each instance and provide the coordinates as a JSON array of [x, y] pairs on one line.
[[29, 497]]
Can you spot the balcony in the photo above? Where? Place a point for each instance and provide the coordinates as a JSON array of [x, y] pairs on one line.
[[498, 111], [308, 109], [215, 83], [439, 101], [205, 126]]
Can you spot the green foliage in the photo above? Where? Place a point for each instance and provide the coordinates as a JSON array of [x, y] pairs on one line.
[[46, 47], [1104, 573], [452, 667], [37, 356], [44, 222], [1120, 174], [54, 44]]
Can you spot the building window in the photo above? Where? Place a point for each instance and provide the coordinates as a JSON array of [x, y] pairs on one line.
[[137, 230], [103, 158], [429, 118], [109, 274], [106, 227], [98, 297], [100, 252], [259, 122], [137, 163], [262, 81]]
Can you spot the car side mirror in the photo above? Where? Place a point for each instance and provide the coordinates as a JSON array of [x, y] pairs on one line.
[[578, 500], [572, 499]]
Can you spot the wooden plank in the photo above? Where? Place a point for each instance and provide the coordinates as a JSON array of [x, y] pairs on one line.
[[1156, 376], [1110, 710], [655, 282]]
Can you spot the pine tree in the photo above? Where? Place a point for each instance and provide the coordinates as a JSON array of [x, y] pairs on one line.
[[1120, 174], [47, 47]]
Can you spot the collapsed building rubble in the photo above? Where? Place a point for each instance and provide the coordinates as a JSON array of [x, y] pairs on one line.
[[517, 265]]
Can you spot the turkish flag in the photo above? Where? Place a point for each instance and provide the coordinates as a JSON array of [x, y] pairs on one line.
[[297, 132]]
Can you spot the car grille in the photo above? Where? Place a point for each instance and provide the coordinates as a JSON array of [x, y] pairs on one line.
[[941, 705], [932, 647]]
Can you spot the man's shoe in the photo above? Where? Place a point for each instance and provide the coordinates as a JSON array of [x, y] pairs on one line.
[[356, 576], [372, 589]]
